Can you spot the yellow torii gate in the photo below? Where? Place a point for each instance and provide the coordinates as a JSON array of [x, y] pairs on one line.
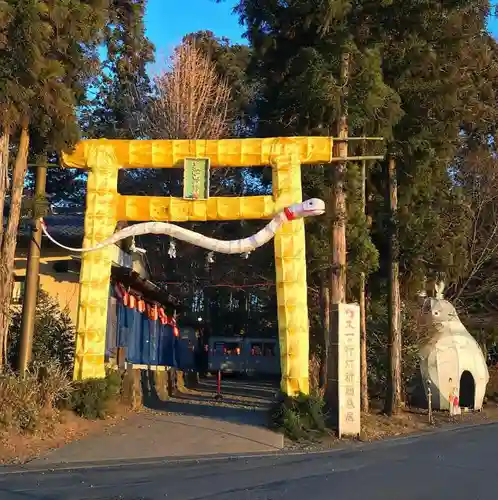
[[105, 207]]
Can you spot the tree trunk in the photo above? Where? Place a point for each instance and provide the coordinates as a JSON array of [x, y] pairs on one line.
[[393, 399], [9, 241], [337, 202], [363, 308], [4, 181], [338, 199], [4, 172], [363, 347], [325, 303]]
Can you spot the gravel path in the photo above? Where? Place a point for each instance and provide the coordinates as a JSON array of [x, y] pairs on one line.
[[244, 401]]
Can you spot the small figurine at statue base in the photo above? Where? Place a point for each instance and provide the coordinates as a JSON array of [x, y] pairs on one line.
[[454, 402]]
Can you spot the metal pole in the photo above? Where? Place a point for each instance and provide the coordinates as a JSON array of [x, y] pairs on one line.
[[429, 401], [218, 387], [32, 275]]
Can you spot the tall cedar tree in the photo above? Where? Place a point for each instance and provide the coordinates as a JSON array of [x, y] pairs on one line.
[[423, 61], [116, 97], [45, 47], [123, 90], [434, 64], [297, 54]]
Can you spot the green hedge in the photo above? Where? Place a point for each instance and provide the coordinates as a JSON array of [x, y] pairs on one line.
[[95, 398], [300, 417]]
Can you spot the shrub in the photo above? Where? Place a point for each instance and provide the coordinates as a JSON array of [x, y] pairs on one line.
[[54, 334], [95, 398], [29, 401], [19, 408], [300, 417], [54, 383]]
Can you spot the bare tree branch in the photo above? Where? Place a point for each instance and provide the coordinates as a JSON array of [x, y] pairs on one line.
[[192, 100]]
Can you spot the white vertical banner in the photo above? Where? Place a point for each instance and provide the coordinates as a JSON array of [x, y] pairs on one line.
[[349, 421]]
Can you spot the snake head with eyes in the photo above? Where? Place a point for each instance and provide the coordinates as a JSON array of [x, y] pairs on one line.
[[308, 208]]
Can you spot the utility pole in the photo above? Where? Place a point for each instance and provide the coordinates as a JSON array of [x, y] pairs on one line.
[[32, 276]]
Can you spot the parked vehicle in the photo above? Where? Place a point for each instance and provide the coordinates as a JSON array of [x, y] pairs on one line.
[[248, 356]]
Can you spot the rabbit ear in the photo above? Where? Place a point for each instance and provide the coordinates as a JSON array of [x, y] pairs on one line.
[[439, 289]]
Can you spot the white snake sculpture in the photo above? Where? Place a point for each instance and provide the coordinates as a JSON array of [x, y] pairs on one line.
[[307, 208]]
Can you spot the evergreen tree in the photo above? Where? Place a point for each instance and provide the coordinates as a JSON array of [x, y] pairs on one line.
[[419, 74], [48, 51], [54, 333], [298, 49], [231, 63], [429, 63], [474, 171], [123, 88], [117, 94]]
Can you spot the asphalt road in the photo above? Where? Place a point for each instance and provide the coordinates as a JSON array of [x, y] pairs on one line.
[[458, 465]]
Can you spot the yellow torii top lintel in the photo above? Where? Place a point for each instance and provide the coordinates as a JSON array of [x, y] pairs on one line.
[[221, 153]]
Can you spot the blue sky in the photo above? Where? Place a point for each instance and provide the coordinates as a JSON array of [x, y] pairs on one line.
[[168, 20]]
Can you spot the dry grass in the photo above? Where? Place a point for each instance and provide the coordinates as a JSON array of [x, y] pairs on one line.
[[31, 401], [492, 388], [18, 447], [376, 425], [314, 376], [32, 420]]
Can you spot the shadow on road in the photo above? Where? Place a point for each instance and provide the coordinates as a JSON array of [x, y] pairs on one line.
[[244, 401]]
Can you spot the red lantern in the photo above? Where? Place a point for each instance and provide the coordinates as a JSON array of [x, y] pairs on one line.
[[176, 330], [153, 312], [141, 305], [162, 316], [122, 294], [132, 301]]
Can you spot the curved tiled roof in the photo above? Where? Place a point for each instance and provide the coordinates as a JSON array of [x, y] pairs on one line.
[[62, 227]]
